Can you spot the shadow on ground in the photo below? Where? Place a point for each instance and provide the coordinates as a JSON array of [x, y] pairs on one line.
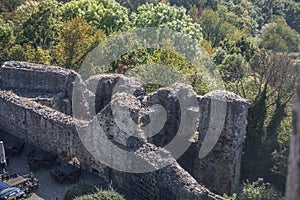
[[48, 188]]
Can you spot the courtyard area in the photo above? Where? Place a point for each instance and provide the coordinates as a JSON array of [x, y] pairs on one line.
[[48, 188]]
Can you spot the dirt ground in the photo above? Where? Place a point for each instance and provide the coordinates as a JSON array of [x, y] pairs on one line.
[[48, 188]]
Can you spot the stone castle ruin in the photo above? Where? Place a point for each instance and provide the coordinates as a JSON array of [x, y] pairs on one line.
[[36, 104]]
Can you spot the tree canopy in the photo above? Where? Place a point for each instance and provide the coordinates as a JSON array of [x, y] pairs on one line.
[[163, 15], [107, 15]]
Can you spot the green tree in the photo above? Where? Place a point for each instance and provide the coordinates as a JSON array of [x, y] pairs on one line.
[[233, 68], [273, 76], [164, 15], [225, 21], [197, 3], [240, 42], [273, 41], [6, 38], [78, 190], [269, 9], [109, 194], [280, 37], [215, 29], [75, 41], [292, 14], [132, 5], [29, 53], [186, 3], [238, 15], [281, 153], [107, 15], [38, 23], [9, 6], [257, 190], [153, 58]]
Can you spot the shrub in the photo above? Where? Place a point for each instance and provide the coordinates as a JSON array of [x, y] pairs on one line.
[[257, 190], [110, 194], [79, 189]]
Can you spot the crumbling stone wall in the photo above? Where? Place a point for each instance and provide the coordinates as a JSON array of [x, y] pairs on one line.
[[225, 158], [32, 81], [293, 178], [44, 127], [36, 79], [220, 169], [169, 183], [56, 133], [34, 119]]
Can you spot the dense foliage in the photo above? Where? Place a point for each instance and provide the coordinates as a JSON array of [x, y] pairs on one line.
[[280, 37], [110, 194], [78, 190], [257, 190], [74, 41], [106, 15], [163, 15], [133, 5], [38, 23], [253, 44]]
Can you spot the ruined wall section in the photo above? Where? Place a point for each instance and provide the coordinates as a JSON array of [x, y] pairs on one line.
[[35, 79], [55, 132], [103, 87], [40, 82], [29, 118], [220, 169], [293, 178], [167, 180], [45, 128], [169, 183]]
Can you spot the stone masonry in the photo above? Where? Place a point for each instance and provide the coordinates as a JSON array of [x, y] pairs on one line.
[[36, 105]]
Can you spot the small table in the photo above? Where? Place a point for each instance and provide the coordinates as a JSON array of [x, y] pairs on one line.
[[16, 181]]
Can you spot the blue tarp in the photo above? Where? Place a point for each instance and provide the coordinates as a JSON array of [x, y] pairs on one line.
[[3, 186], [7, 192]]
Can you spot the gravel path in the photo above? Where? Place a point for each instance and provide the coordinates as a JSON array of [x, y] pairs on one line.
[[48, 188]]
